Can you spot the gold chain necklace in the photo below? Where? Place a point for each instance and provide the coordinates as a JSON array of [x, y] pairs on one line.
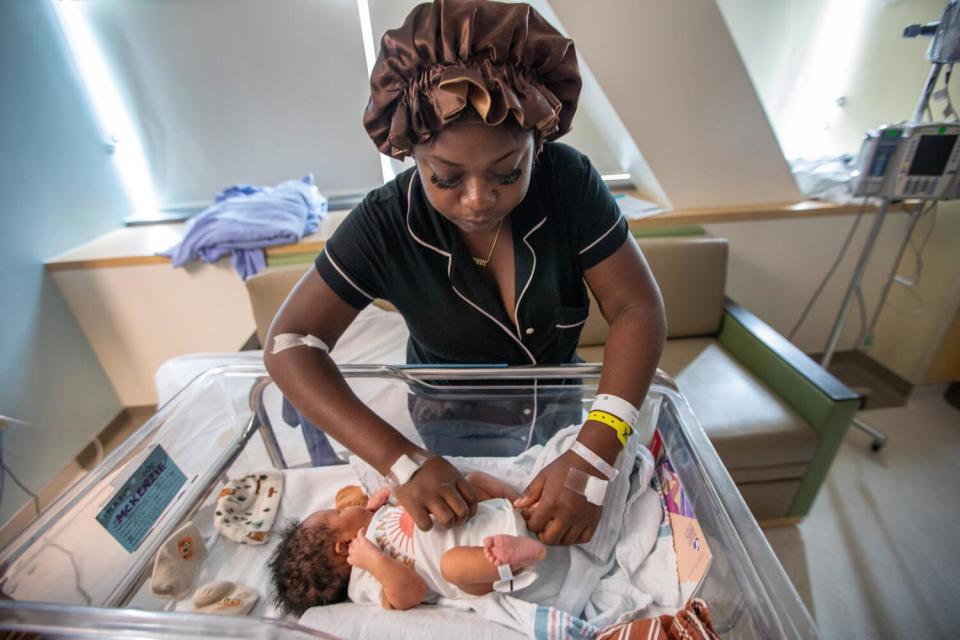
[[482, 262]]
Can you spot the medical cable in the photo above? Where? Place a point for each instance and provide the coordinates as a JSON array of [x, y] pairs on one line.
[[4, 421], [944, 94], [909, 283], [918, 253], [76, 569], [533, 420], [830, 272], [862, 309]]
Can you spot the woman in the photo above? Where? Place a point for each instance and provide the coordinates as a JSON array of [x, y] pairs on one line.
[[484, 248]]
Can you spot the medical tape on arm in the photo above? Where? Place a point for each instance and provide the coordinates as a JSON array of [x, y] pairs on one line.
[[590, 487], [595, 461], [404, 468], [286, 341]]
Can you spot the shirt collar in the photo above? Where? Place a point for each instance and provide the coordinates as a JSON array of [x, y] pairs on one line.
[[437, 234]]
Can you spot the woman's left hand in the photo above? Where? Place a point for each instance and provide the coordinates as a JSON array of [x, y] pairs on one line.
[[559, 516]]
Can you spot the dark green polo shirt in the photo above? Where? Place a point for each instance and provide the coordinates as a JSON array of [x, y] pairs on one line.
[[395, 246]]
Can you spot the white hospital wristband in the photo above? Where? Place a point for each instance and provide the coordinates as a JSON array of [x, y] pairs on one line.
[[618, 407], [595, 461], [404, 468]]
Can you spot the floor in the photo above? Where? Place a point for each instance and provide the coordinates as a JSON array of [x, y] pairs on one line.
[[877, 556], [880, 387]]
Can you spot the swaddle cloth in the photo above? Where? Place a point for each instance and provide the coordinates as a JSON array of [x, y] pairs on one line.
[[248, 506]]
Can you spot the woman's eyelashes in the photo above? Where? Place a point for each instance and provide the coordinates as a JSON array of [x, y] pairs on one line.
[[450, 183], [511, 177], [444, 183]]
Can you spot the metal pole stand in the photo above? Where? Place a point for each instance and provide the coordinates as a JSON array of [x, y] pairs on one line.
[[879, 438], [945, 50]]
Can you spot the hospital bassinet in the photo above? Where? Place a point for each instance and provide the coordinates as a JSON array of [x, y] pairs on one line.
[[65, 576]]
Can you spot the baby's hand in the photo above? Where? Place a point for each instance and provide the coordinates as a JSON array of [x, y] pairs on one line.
[[362, 552], [378, 499]]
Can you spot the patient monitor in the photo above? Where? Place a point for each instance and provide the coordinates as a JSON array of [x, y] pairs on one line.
[[915, 161]]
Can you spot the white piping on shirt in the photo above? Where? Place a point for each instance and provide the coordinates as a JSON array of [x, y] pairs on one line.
[[346, 277], [605, 234], [571, 326], [449, 258], [516, 311]]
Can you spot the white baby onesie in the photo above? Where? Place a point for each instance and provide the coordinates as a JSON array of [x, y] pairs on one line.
[[393, 530]]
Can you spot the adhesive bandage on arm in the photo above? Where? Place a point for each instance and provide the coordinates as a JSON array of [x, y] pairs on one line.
[[286, 341], [590, 487], [404, 468], [595, 461]]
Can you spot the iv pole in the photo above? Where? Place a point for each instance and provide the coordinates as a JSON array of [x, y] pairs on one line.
[[945, 49]]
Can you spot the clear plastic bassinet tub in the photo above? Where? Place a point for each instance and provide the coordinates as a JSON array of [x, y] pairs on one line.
[[68, 576]]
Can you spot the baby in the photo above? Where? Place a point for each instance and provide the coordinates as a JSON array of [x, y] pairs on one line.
[[370, 552]]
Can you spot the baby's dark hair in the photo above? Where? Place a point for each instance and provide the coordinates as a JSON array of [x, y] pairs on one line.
[[302, 570]]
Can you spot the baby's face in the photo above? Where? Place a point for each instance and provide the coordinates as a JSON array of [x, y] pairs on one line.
[[344, 523]]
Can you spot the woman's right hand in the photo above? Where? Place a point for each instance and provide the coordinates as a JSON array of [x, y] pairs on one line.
[[438, 489]]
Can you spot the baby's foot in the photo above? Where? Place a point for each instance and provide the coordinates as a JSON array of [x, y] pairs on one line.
[[515, 551]]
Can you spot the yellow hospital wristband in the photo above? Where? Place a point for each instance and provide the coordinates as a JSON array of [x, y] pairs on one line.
[[622, 428]]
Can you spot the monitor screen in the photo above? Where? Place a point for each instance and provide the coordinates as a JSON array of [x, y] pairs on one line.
[[933, 151]]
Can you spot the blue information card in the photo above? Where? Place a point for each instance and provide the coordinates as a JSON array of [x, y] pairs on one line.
[[138, 504]]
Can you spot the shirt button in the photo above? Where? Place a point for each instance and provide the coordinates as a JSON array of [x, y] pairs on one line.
[[526, 412], [529, 331]]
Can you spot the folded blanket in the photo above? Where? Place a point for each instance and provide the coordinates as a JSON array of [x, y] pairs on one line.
[[631, 543], [245, 219], [690, 623]]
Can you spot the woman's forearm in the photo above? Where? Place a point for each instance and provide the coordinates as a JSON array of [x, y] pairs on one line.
[[632, 351], [311, 381], [630, 357]]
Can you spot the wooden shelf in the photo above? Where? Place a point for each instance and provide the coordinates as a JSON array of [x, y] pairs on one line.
[[135, 246]]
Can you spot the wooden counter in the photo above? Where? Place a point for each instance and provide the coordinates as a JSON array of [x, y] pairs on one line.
[[137, 246]]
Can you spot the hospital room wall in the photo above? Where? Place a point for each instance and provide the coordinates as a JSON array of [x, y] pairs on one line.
[[59, 190], [802, 55]]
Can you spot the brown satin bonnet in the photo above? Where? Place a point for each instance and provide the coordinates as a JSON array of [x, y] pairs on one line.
[[502, 59]]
